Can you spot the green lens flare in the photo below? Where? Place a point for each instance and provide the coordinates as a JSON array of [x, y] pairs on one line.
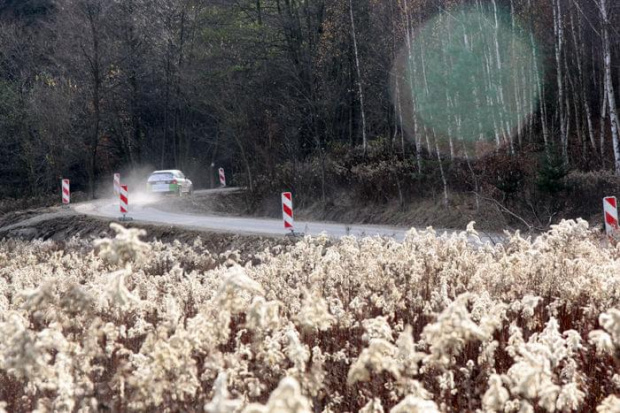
[[471, 78]]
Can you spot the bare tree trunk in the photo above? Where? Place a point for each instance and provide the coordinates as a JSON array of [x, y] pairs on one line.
[[418, 143], [179, 134], [402, 131], [589, 121], [213, 157], [259, 12], [559, 44], [246, 161], [412, 71], [609, 87], [359, 77], [578, 41], [168, 75], [95, 69], [441, 171], [490, 87], [459, 135], [539, 88], [602, 126], [323, 175], [515, 76], [503, 123], [491, 103], [575, 101], [398, 116], [436, 145], [447, 66]]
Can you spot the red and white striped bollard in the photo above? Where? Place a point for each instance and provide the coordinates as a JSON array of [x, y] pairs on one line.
[[287, 210], [610, 209], [117, 184], [66, 192], [124, 197], [222, 177]]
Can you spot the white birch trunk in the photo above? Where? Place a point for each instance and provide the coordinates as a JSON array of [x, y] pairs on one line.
[[447, 64], [443, 175], [359, 77], [412, 75], [543, 111], [578, 40], [515, 76], [602, 125], [559, 44], [503, 123], [609, 87]]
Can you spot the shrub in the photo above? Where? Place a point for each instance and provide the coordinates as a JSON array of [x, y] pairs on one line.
[[551, 175]]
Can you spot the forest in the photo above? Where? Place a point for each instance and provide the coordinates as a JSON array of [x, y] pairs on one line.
[[390, 100]]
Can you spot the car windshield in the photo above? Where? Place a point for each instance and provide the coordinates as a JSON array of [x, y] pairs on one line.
[[161, 177]]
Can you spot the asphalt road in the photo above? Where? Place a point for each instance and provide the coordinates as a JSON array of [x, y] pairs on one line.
[[144, 209]]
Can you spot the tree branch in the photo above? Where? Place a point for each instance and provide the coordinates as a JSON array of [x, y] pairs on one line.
[[529, 226]]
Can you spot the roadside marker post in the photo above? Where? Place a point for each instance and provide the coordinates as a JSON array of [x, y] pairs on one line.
[[66, 193], [222, 177], [117, 184], [610, 209], [287, 211], [124, 197]]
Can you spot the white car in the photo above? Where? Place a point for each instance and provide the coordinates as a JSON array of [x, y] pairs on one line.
[[170, 181]]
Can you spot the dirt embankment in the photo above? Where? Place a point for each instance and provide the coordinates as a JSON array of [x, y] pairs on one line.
[[57, 224], [489, 215]]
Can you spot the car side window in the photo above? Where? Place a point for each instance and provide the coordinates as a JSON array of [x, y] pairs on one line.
[[181, 175]]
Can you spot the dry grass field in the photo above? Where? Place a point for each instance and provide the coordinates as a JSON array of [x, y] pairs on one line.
[[432, 324]]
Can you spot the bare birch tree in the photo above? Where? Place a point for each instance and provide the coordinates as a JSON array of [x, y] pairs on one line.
[[609, 86], [558, 30], [359, 77]]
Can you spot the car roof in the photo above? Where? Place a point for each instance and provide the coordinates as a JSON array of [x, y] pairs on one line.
[[166, 171]]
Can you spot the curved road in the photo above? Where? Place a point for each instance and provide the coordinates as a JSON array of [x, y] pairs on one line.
[[143, 209]]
